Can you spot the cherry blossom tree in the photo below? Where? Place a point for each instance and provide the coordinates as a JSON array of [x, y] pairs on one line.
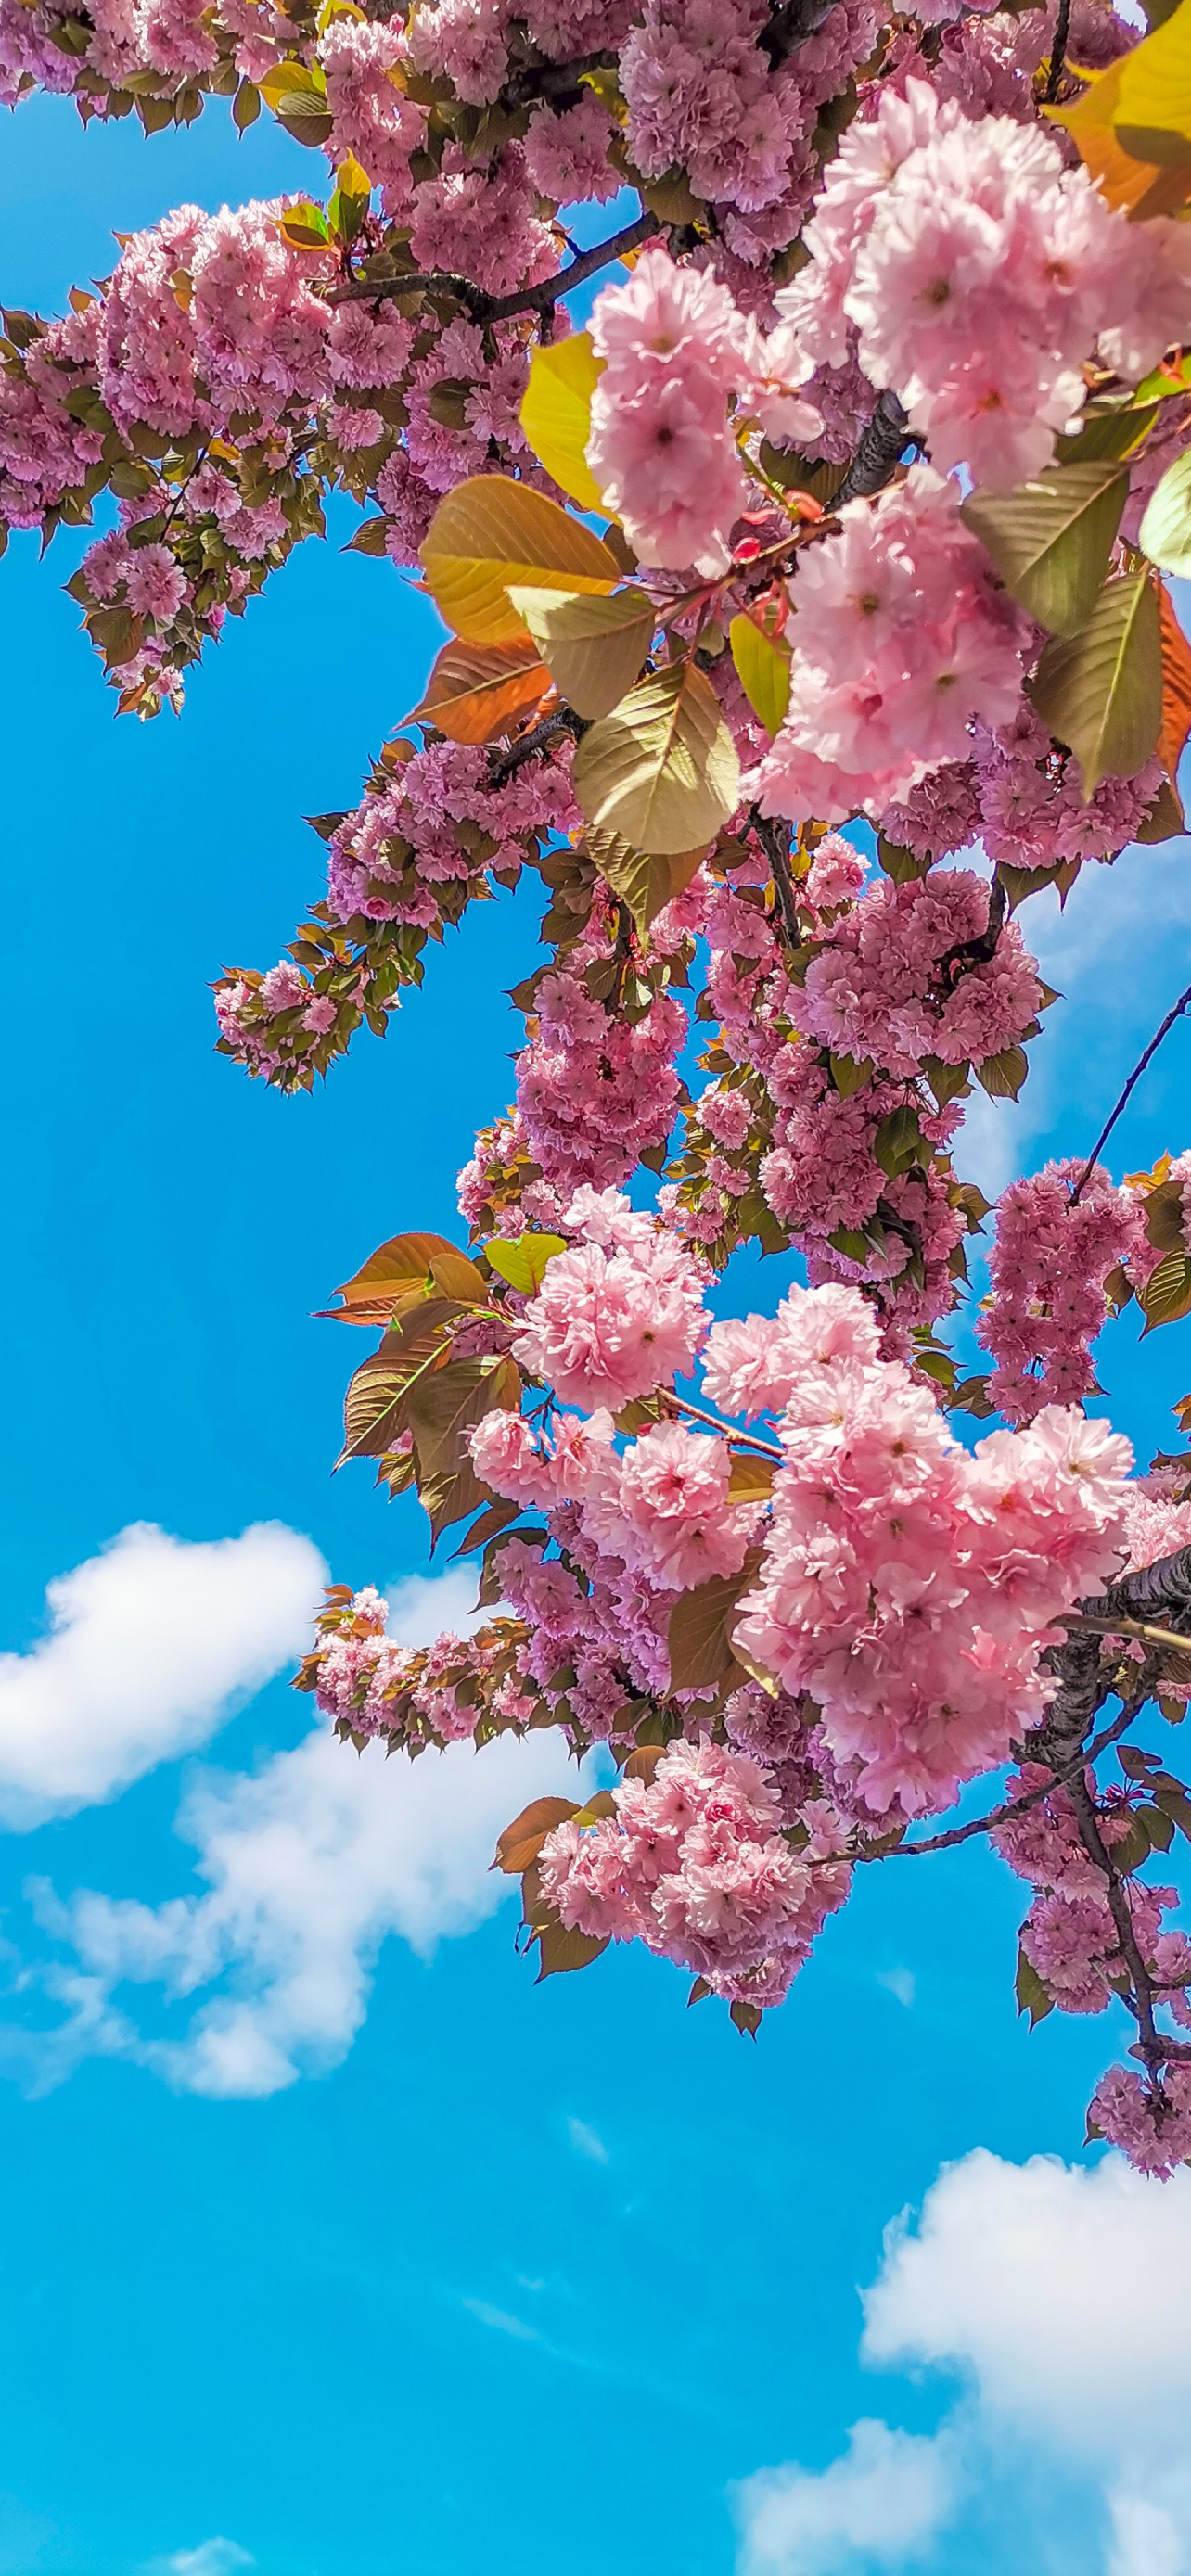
[[805, 617]]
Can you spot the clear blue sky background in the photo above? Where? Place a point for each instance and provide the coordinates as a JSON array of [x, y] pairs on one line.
[[532, 2277]]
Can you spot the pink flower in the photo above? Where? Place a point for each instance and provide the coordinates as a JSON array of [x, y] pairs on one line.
[[607, 1327], [674, 1496]]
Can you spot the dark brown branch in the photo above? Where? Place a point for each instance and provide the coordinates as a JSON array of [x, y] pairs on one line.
[[777, 852], [880, 449], [1183, 1002], [539, 738], [1059, 50], [500, 308], [1140, 2000]]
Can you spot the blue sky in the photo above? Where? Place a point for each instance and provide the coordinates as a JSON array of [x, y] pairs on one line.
[[502, 2278]]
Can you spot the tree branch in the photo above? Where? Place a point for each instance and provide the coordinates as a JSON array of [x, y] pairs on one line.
[[1058, 51], [880, 449], [1176, 1013], [539, 738], [500, 308]]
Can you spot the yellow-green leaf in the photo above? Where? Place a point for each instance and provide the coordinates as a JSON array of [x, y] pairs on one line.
[[556, 413], [751, 1476], [763, 669], [661, 771], [593, 647], [1166, 526], [1051, 539], [647, 880], [524, 1263], [490, 532], [1154, 90], [475, 690], [1100, 691]]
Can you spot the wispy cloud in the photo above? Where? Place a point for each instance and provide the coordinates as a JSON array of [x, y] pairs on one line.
[[587, 2142]]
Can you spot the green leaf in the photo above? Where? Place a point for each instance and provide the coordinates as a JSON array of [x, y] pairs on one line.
[[490, 532], [369, 538], [475, 691], [1032, 1996], [661, 771], [556, 414], [849, 1073], [524, 1263], [900, 865], [1166, 1296], [1111, 429], [646, 880], [305, 225], [1051, 539], [898, 1139], [593, 647], [1166, 526], [1100, 691], [1002, 1075], [701, 1624], [763, 669]]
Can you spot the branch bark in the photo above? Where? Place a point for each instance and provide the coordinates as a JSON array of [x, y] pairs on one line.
[[500, 308]]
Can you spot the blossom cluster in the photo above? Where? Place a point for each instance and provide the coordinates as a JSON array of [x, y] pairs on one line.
[[1060, 1232], [980, 275], [902, 635]]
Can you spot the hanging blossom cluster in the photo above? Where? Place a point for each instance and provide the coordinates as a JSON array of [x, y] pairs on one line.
[[1054, 1250], [433, 827], [1073, 1943], [896, 1593]]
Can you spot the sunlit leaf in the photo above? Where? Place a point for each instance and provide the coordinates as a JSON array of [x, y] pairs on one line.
[[1032, 1996], [1051, 539], [556, 413], [475, 691], [661, 771], [1100, 691], [763, 670], [1166, 1296], [647, 880], [593, 647], [524, 1262], [490, 532], [391, 1272], [1166, 526]]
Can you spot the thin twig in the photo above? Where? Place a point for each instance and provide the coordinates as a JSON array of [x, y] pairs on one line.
[[500, 308], [1012, 1807], [1110, 1627], [739, 1439], [1140, 2001], [1176, 1013]]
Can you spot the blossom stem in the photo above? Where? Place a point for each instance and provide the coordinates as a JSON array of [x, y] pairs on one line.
[[739, 1439], [1175, 1013], [500, 308], [1110, 1627]]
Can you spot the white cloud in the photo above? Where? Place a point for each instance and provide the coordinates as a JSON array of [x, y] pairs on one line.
[[587, 2142], [1058, 2296], [216, 2557], [310, 1863], [881, 2505], [1004, 2280], [901, 1983], [151, 1645]]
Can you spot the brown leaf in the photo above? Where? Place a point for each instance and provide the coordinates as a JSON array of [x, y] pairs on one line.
[[391, 1272], [374, 1406], [1176, 685], [521, 1841], [701, 1625], [475, 691]]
